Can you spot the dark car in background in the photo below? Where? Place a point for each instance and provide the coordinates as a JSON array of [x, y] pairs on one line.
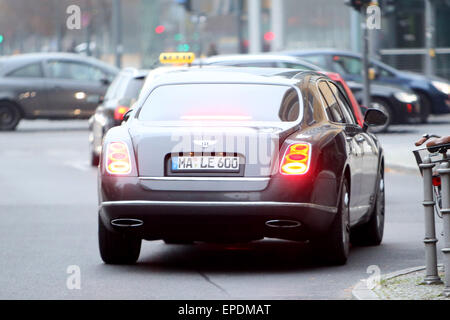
[[399, 103], [121, 95], [433, 92], [51, 86]]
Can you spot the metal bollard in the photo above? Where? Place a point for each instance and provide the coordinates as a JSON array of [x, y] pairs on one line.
[[432, 276], [444, 172]]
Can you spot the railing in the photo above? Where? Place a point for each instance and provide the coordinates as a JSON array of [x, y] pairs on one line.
[[434, 164]]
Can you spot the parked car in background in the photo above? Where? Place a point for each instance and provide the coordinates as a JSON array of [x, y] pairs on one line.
[[50, 86], [119, 98], [433, 92], [400, 104]]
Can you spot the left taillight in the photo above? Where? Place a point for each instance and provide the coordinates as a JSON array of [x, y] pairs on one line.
[[118, 159], [120, 112], [296, 159]]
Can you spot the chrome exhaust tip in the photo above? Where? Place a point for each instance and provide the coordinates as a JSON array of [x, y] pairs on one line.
[[127, 223], [283, 224]]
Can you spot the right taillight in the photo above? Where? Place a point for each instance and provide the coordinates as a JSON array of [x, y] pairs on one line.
[[296, 159], [118, 158]]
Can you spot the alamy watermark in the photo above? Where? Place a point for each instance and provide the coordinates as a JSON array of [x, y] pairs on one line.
[[259, 149], [73, 21], [373, 17], [374, 280], [73, 281]]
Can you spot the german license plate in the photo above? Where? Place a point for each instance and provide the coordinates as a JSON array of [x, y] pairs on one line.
[[204, 163]]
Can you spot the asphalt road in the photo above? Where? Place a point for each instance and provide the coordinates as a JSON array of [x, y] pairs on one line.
[[48, 222]]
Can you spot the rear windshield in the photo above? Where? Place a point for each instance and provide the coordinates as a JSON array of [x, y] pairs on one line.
[[222, 102]]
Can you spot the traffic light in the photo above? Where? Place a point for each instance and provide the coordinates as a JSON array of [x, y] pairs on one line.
[[269, 36], [178, 37], [1, 38], [184, 47], [358, 4], [160, 29]]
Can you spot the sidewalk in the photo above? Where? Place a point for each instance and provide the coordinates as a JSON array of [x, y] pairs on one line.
[[405, 284], [401, 285]]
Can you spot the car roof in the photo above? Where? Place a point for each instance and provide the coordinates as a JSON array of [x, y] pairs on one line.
[[206, 74], [25, 58], [305, 52], [135, 73]]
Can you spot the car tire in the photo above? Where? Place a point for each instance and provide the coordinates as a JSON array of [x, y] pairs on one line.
[[9, 116], [95, 159], [117, 248], [371, 233], [387, 109], [335, 246], [425, 107]]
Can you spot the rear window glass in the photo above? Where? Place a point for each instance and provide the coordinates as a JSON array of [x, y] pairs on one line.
[[222, 102], [29, 71], [318, 60], [112, 89], [130, 88], [256, 64], [291, 65]]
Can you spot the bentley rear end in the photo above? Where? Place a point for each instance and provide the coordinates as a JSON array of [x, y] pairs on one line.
[[200, 160]]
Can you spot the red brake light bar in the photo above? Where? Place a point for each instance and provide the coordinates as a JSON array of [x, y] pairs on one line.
[[118, 159], [296, 159]]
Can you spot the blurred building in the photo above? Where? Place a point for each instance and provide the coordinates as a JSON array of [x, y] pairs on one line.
[[222, 26], [307, 24], [401, 42]]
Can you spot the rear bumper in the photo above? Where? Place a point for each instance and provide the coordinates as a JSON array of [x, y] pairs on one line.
[[440, 103], [405, 113], [201, 220]]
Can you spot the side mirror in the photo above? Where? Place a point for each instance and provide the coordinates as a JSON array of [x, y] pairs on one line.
[[374, 117], [127, 114]]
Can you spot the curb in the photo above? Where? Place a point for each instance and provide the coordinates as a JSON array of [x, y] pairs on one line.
[[402, 169], [362, 292]]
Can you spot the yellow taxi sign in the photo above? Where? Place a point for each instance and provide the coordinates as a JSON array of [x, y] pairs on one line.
[[176, 57]]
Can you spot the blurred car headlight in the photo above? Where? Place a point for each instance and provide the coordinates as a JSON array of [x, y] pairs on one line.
[[405, 97], [442, 86]]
